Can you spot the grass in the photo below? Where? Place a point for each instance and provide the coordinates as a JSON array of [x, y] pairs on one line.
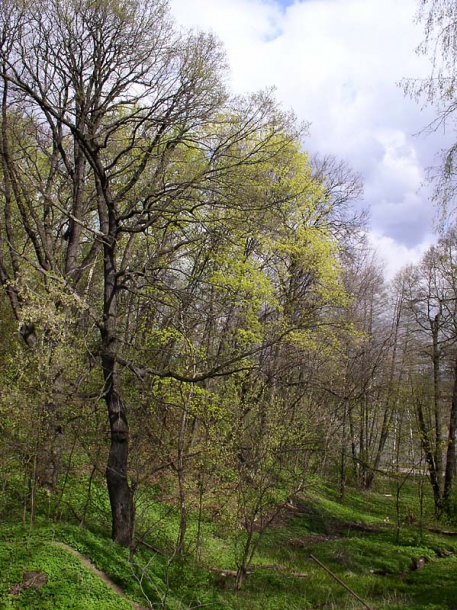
[[359, 540], [69, 584]]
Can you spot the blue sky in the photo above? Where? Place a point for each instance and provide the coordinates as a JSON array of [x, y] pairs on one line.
[[285, 3], [337, 63]]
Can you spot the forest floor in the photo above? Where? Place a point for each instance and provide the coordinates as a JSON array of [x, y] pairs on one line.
[[381, 550], [104, 577]]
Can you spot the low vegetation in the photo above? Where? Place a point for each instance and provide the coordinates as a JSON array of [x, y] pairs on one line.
[[209, 394], [377, 543]]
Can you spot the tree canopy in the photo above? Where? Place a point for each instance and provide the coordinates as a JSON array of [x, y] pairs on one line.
[[153, 225]]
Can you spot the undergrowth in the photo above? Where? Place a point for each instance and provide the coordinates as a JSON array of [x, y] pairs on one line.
[[373, 542]]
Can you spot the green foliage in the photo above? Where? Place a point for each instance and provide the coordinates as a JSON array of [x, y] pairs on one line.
[[172, 256], [69, 584], [356, 540]]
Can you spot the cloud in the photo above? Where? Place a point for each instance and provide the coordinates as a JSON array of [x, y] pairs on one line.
[[337, 63], [394, 255]]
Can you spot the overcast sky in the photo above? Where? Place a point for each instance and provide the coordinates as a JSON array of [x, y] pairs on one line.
[[337, 63]]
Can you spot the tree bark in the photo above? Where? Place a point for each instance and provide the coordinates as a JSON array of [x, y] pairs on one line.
[[429, 457], [120, 493], [450, 455], [436, 357]]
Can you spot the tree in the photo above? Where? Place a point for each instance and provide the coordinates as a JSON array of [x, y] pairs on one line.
[[343, 188], [129, 136], [265, 296], [368, 375], [439, 18], [429, 309]]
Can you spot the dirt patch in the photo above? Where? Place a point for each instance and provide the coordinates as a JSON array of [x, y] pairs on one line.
[[311, 539], [29, 579], [280, 518]]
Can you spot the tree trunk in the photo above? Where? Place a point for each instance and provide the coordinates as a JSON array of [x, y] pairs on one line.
[[450, 456], [343, 454], [380, 449], [430, 458], [120, 493], [436, 357]]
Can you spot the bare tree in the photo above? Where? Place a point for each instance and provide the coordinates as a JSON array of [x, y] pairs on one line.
[[132, 133], [341, 209], [429, 308], [439, 18]]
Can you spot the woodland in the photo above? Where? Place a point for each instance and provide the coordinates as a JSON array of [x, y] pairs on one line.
[[195, 332]]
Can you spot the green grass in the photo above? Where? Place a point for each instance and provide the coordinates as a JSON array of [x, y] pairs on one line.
[[69, 584], [359, 540]]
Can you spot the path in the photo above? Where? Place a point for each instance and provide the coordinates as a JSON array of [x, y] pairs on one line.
[[106, 579]]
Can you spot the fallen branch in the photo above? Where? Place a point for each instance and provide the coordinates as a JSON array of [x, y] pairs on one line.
[[437, 530], [225, 573], [281, 569], [335, 577], [151, 548]]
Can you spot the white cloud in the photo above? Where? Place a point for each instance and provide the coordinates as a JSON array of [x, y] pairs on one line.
[[394, 255], [337, 64]]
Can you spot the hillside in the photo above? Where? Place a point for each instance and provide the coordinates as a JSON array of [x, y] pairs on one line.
[[388, 564]]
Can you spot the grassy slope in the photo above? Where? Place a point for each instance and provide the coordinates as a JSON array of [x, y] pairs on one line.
[[358, 540]]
